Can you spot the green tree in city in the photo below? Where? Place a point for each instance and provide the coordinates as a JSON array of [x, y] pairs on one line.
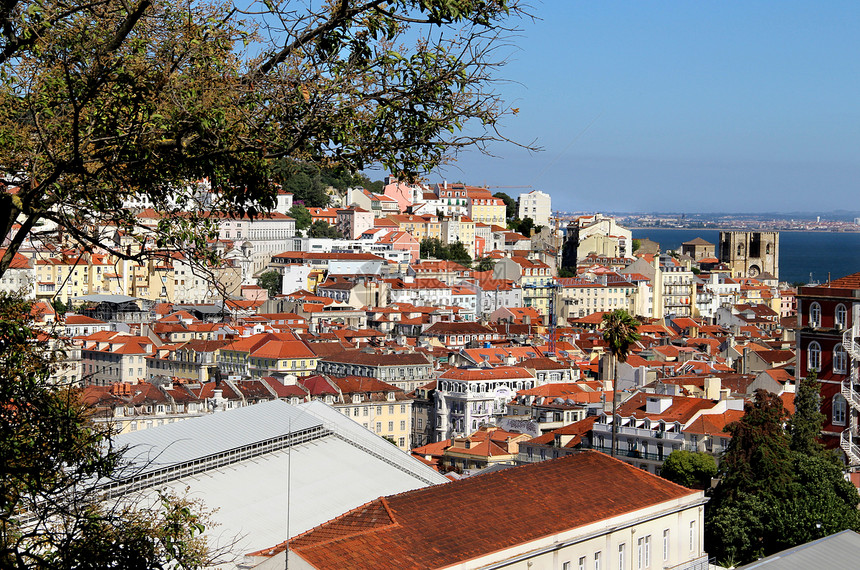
[[620, 331], [510, 205], [106, 106], [302, 216], [689, 468], [54, 461], [484, 264], [271, 281], [776, 491], [804, 427], [321, 229]]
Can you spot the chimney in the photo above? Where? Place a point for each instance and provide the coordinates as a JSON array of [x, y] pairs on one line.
[[655, 405]]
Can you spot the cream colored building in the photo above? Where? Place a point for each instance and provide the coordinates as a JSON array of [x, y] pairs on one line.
[[536, 205], [460, 229], [380, 407], [578, 298], [653, 523]]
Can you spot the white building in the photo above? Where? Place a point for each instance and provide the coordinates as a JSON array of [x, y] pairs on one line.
[[257, 462], [536, 205], [467, 398]]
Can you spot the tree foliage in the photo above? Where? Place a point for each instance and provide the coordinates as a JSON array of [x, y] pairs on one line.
[[484, 264], [804, 428], [303, 180], [510, 205], [620, 331], [54, 461], [271, 281], [110, 104], [321, 229], [774, 493], [433, 247], [690, 468], [301, 215]]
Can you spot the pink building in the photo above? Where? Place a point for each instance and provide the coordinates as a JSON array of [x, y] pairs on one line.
[[404, 242], [352, 222]]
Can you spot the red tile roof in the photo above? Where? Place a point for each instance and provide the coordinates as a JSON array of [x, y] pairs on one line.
[[506, 509]]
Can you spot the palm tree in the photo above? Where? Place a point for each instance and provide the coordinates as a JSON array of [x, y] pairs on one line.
[[619, 331]]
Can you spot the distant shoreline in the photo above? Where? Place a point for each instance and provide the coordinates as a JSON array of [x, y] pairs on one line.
[[663, 228]]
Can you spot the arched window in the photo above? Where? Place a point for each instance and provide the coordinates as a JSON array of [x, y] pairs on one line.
[[815, 315], [840, 359], [813, 356], [841, 316], [839, 410]]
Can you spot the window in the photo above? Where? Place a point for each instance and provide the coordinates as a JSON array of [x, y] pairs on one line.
[[813, 356], [692, 535], [815, 315], [665, 545], [378, 409], [643, 551], [841, 316], [597, 560], [840, 359], [622, 550], [402, 425], [390, 426], [839, 410], [581, 563], [402, 442], [378, 427]]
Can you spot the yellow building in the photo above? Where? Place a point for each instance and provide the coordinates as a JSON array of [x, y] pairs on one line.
[[267, 353], [378, 406], [484, 208]]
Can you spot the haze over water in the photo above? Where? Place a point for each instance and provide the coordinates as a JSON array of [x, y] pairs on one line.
[[800, 253]]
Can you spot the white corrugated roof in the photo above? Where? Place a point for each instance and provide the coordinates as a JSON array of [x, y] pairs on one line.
[[327, 476], [200, 437]]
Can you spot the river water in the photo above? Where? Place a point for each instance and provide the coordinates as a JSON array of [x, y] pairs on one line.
[[803, 256]]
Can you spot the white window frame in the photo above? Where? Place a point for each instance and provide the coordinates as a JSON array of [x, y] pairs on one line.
[[813, 356], [841, 316], [666, 545], [840, 359], [839, 410], [814, 315]]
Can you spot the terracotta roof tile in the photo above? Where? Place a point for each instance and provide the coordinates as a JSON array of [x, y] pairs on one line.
[[506, 508]]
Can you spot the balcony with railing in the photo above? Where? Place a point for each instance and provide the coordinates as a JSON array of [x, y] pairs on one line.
[[849, 446], [849, 341]]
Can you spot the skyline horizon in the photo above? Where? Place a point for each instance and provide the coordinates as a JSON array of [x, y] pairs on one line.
[[695, 105]]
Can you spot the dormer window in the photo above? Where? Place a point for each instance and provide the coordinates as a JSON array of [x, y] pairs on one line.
[[389, 396]]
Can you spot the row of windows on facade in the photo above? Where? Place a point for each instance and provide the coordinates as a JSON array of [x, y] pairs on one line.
[[840, 315], [840, 358], [643, 552], [112, 371], [379, 410]]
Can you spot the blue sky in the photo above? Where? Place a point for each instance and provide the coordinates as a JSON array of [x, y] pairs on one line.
[[683, 106]]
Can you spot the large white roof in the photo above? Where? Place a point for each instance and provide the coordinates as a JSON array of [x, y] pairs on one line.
[[340, 467]]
